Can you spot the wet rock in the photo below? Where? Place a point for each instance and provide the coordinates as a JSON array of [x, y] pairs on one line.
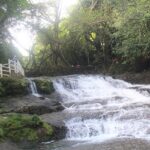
[[7, 145], [56, 119], [42, 97], [59, 132], [44, 86], [30, 105], [12, 87], [40, 109], [140, 78], [117, 144]]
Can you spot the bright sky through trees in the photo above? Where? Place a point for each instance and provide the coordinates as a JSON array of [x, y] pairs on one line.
[[25, 39]]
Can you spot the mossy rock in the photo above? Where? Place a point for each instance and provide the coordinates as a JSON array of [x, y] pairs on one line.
[[18, 127], [13, 87], [44, 86]]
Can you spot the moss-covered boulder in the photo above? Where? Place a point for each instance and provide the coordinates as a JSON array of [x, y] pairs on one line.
[[13, 87], [44, 86], [19, 127]]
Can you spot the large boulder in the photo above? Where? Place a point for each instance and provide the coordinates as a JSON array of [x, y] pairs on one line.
[[8, 145], [41, 108], [13, 86], [30, 105], [56, 119]]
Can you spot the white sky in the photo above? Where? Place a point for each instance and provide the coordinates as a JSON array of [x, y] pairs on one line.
[[25, 38]]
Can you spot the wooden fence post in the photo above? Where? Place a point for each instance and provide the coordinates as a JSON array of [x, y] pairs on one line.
[[9, 66], [12, 66], [1, 70]]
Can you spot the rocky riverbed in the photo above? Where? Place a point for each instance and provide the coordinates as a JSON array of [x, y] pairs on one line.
[[87, 112], [20, 110], [30, 104], [140, 78], [114, 144]]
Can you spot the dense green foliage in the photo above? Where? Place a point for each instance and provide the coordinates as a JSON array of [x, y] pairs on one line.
[[13, 87], [18, 127], [104, 34], [7, 51], [44, 86], [11, 11]]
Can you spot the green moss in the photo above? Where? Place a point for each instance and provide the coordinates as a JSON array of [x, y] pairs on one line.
[[1, 133], [44, 86], [13, 87], [48, 128], [19, 127], [23, 134]]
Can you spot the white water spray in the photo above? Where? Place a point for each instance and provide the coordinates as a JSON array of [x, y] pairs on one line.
[[104, 107], [33, 88]]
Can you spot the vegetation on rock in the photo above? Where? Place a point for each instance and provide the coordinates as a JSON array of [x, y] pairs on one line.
[[13, 87], [44, 86], [18, 127]]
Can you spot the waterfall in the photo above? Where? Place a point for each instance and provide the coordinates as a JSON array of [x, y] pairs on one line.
[[33, 88], [102, 107]]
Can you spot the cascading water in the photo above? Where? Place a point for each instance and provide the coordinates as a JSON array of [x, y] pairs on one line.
[[103, 107], [33, 88]]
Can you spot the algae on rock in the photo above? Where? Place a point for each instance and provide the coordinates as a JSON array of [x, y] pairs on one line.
[[13, 86], [18, 127], [44, 86]]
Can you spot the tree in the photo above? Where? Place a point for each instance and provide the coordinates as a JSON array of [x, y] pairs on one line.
[[133, 36], [10, 12], [101, 33], [94, 20], [7, 51]]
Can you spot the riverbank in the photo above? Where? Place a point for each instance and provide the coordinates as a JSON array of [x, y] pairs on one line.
[[115, 144], [91, 102], [133, 77], [139, 78], [20, 110]]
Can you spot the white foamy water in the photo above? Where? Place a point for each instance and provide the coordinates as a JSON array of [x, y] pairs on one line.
[[33, 88], [113, 108]]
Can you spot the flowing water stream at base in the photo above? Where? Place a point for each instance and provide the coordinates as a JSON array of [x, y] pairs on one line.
[[100, 108]]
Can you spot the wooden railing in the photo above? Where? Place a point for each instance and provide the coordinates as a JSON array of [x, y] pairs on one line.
[[12, 68]]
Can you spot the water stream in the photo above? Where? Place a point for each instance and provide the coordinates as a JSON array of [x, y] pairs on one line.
[[33, 88], [105, 107], [99, 108]]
